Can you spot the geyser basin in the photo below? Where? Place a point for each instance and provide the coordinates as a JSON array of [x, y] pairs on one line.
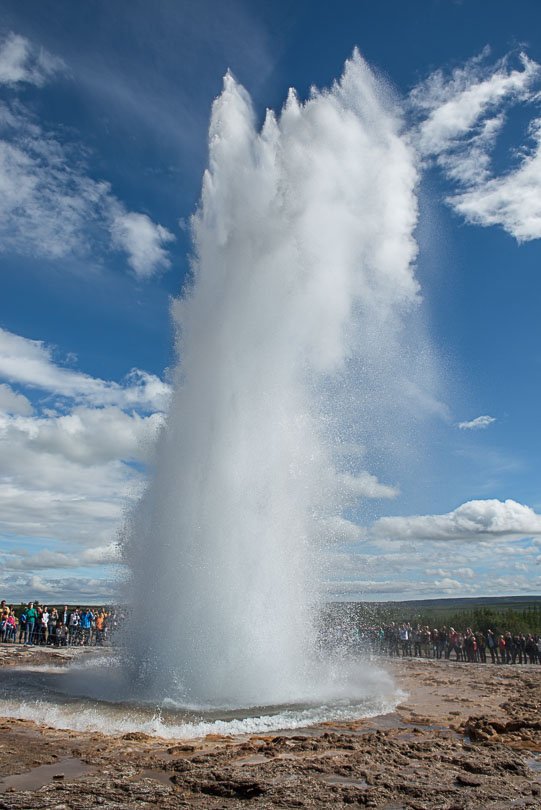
[[93, 695], [301, 368]]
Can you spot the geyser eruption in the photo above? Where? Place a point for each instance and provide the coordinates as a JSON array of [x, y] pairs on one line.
[[293, 339]]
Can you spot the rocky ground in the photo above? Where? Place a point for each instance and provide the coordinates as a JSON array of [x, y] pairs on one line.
[[466, 736]]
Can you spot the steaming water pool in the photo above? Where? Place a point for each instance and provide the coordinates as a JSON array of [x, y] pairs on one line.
[[92, 696]]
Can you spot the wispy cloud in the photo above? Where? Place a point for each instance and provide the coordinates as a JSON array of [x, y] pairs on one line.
[[21, 61], [479, 423], [31, 363], [461, 117], [512, 200], [50, 206], [456, 107]]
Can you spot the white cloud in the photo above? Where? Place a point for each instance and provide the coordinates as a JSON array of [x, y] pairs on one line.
[[472, 521], [20, 61], [464, 116], [22, 560], [361, 587], [457, 105], [512, 200], [448, 585], [465, 573], [338, 529], [86, 436], [67, 475], [365, 485], [478, 423], [31, 363], [50, 207], [68, 590], [143, 241], [12, 402]]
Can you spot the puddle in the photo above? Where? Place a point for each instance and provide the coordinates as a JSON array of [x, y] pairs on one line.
[[535, 765], [154, 773], [256, 759], [63, 769], [345, 781]]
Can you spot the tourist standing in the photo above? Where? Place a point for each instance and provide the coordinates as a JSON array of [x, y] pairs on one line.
[[31, 619]]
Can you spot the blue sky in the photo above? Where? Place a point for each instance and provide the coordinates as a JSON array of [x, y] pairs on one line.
[[103, 134]]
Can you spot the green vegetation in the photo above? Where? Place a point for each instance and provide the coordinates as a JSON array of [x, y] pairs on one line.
[[516, 614]]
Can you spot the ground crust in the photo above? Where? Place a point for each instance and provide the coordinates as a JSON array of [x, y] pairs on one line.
[[465, 736]]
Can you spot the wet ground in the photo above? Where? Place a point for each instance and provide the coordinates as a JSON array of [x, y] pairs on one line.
[[466, 736]]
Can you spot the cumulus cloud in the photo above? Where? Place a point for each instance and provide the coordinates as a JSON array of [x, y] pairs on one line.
[[473, 520], [85, 436], [67, 473], [401, 568], [143, 240], [462, 117], [20, 61], [47, 559], [13, 403], [448, 585], [69, 590], [31, 363], [338, 529], [478, 423]]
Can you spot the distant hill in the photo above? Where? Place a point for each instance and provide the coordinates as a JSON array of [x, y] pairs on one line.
[[463, 603]]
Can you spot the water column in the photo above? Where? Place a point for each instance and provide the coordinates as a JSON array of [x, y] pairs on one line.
[[290, 338]]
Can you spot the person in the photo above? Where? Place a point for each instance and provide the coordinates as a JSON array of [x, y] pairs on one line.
[[492, 644], [22, 625], [502, 649], [61, 634], [11, 629], [453, 644], [470, 645], [530, 649], [31, 619], [100, 627], [425, 641], [51, 626], [4, 615], [86, 623], [391, 636], [403, 635], [44, 625], [417, 638], [73, 626], [510, 652]]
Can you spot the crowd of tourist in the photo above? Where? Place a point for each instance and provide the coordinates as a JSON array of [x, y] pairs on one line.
[[474, 646], [36, 624]]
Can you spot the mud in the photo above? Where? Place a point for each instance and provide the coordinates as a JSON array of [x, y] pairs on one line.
[[466, 736]]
